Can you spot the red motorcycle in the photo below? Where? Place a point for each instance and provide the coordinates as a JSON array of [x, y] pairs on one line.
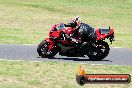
[[96, 51]]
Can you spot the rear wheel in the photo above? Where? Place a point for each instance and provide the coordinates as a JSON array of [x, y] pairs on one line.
[[44, 51], [102, 50]]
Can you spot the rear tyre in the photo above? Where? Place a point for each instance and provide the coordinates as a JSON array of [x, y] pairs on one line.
[[101, 51], [44, 52]]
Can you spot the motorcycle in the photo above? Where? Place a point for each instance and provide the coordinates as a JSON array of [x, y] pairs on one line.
[[96, 51]]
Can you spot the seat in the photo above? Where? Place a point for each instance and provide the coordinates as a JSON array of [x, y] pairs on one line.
[[104, 31]]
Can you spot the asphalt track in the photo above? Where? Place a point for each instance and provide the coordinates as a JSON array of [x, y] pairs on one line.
[[117, 56]]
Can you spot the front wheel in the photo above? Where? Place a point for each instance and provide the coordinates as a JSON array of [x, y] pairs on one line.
[[102, 50], [44, 51]]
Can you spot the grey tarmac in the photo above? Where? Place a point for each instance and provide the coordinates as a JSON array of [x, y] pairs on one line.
[[117, 56]]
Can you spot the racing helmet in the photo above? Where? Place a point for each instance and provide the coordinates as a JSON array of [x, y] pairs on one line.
[[75, 22]]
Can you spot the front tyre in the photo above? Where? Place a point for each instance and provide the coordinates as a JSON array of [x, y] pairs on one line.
[[44, 52], [102, 50]]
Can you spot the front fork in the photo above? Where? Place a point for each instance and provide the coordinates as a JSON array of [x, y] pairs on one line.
[[50, 43]]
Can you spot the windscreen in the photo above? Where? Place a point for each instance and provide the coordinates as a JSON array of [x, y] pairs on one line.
[[60, 26]]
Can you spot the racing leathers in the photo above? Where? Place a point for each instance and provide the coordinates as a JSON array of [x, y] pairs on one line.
[[84, 32]]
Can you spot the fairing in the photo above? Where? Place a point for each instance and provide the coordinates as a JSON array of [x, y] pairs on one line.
[[103, 33]]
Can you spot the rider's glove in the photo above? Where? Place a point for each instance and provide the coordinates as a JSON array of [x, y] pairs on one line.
[[74, 40]]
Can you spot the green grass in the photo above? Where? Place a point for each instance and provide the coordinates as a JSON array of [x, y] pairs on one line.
[[27, 74], [28, 21]]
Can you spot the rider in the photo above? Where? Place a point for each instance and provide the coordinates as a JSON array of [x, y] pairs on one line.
[[81, 29]]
